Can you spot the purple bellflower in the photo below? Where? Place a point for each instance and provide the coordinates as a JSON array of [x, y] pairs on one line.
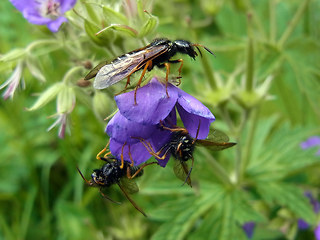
[[44, 12], [142, 120], [248, 228], [311, 142]]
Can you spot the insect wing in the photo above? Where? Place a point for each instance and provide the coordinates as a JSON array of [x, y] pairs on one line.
[[129, 185], [216, 141], [181, 170], [94, 71], [125, 65]]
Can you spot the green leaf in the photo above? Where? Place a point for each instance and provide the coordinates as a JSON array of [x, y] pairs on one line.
[[13, 55], [289, 196], [150, 26], [103, 38], [183, 220], [121, 28], [33, 67], [46, 96], [113, 17]]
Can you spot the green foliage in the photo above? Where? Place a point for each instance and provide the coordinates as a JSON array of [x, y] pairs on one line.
[[262, 86]]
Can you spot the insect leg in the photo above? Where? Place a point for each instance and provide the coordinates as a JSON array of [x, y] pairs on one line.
[[132, 202], [105, 196], [139, 170], [127, 84], [181, 64], [150, 149], [175, 129], [167, 65], [122, 161], [149, 63], [102, 151], [130, 156], [195, 139]]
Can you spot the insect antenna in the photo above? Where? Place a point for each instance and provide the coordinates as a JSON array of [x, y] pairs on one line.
[[132, 202], [200, 45], [88, 182]]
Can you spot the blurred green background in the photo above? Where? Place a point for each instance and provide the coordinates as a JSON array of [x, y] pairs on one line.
[[42, 195]]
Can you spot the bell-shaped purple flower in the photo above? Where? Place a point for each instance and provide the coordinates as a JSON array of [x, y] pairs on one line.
[[248, 228], [311, 142], [44, 12], [153, 105], [142, 121]]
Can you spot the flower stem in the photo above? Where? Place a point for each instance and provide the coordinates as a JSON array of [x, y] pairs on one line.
[[218, 170], [250, 61], [209, 72], [293, 23], [273, 20], [70, 73], [246, 156]]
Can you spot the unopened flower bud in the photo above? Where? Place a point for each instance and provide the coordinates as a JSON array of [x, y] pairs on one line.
[[66, 100]]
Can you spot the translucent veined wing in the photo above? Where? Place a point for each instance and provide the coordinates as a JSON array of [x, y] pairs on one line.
[[181, 170], [216, 141], [129, 185], [95, 70], [125, 65]]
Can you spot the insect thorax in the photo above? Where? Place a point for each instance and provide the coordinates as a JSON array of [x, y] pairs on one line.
[[182, 146], [109, 174]]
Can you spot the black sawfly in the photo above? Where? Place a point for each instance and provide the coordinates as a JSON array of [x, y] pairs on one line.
[[111, 173], [158, 53], [181, 146]]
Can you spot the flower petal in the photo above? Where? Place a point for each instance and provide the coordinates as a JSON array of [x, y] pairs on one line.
[[317, 232], [192, 122], [34, 17], [161, 136], [302, 225], [138, 152], [153, 104], [22, 5], [123, 130], [55, 25], [66, 5], [248, 228], [193, 105], [311, 142]]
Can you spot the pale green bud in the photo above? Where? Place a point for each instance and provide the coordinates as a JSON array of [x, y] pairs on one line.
[[66, 100], [46, 96]]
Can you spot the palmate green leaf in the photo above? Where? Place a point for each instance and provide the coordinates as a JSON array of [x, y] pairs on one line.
[[225, 218], [182, 222], [287, 195], [280, 154], [216, 213]]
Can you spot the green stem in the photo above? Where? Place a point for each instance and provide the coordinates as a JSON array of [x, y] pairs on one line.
[[250, 66], [218, 170], [70, 73], [273, 20], [209, 72], [246, 156], [293, 23], [43, 42], [250, 61]]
